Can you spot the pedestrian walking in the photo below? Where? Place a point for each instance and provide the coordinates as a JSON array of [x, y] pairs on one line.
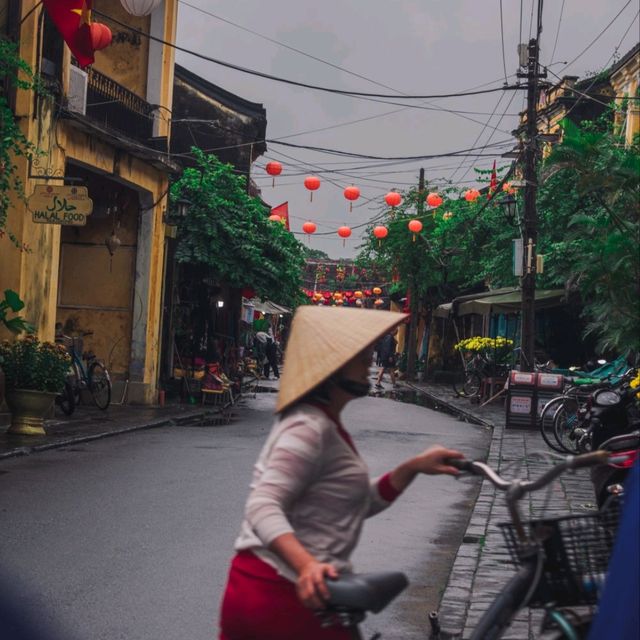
[[388, 358], [310, 491], [271, 354]]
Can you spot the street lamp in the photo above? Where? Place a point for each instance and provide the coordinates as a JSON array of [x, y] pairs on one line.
[[179, 211], [510, 208]]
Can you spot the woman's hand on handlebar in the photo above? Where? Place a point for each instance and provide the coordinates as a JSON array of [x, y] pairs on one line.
[[436, 460], [311, 587]]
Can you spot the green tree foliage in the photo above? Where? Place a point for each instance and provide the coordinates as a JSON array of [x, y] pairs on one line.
[[470, 244], [314, 254], [15, 73], [588, 231], [229, 231], [589, 206]]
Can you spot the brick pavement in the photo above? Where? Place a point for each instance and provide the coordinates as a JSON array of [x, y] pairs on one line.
[[482, 565]]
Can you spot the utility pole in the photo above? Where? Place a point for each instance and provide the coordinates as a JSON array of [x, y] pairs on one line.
[[413, 298], [530, 221]]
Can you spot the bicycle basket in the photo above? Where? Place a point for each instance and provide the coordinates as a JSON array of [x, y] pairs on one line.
[[576, 552], [73, 344]]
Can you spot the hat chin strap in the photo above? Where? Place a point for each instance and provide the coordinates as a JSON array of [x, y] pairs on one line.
[[352, 387]]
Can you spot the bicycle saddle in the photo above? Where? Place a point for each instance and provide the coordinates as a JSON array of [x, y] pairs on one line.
[[366, 591]]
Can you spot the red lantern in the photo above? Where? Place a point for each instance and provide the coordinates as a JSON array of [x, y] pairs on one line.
[[471, 195], [377, 291], [367, 293], [393, 199], [344, 233], [326, 295], [312, 183], [415, 226], [348, 294], [380, 232], [351, 193], [309, 228], [275, 218], [434, 200], [100, 36], [274, 169], [358, 294]]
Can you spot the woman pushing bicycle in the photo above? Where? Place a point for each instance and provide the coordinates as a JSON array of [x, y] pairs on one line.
[[311, 491]]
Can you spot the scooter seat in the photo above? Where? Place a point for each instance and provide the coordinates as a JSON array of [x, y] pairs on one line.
[[366, 591]]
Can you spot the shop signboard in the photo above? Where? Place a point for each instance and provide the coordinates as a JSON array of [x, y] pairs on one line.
[[65, 205]]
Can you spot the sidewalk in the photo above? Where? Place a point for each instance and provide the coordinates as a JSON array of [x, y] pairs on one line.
[[89, 423], [482, 566]]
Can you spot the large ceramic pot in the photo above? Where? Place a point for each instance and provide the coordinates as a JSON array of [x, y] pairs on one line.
[[28, 411]]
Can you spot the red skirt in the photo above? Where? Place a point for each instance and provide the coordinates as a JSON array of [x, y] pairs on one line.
[[260, 604]]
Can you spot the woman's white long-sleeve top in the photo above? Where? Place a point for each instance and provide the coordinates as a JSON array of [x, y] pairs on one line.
[[310, 480]]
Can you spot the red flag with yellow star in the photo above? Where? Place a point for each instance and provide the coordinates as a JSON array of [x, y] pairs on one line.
[[68, 16]]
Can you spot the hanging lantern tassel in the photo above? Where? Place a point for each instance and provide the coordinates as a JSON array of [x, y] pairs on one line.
[[415, 226], [312, 183], [351, 194], [344, 233]]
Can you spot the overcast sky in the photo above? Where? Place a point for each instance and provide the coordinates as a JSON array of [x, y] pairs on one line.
[[412, 47]]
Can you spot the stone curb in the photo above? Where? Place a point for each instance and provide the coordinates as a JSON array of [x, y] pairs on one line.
[[175, 421]]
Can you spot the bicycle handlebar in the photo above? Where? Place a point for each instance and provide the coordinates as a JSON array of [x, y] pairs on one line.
[[571, 462]]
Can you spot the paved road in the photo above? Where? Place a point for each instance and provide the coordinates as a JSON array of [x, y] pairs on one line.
[[129, 537]]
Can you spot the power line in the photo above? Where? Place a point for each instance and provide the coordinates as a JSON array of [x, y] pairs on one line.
[[555, 44], [596, 38], [304, 85], [504, 60]]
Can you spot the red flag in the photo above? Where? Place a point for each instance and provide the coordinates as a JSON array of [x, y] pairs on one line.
[[72, 19], [494, 180], [282, 210]]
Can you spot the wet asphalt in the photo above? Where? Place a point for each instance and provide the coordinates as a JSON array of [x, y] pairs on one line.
[[130, 537]]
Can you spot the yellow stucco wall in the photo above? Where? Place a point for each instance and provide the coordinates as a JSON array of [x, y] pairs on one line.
[[32, 268]]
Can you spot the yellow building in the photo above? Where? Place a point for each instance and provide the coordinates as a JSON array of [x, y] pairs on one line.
[[105, 129], [625, 83]]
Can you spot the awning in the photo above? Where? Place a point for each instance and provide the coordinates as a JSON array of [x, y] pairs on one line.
[[498, 301], [269, 307]]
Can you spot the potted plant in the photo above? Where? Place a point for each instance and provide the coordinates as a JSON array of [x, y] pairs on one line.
[[11, 304], [35, 373]]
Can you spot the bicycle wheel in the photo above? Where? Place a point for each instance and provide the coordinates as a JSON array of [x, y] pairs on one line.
[[471, 385], [547, 422], [507, 603], [565, 421], [75, 378], [100, 385], [66, 400]]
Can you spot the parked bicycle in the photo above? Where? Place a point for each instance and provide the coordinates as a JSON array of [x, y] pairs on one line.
[[566, 421], [87, 373], [562, 562]]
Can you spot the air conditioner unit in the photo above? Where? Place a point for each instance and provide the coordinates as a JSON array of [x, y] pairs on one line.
[[77, 95]]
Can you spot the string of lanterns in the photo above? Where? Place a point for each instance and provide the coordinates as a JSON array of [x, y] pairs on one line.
[[358, 298], [393, 199]]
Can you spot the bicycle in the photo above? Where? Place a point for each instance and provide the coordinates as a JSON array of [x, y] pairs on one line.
[[87, 373], [564, 417], [476, 370], [563, 562]]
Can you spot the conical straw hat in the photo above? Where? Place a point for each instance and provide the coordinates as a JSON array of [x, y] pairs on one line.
[[323, 340]]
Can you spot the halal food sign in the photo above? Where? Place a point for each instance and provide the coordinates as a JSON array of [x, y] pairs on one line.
[[60, 205]]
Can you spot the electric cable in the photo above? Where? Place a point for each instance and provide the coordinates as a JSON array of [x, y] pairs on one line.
[[555, 44], [504, 59], [597, 37], [268, 76]]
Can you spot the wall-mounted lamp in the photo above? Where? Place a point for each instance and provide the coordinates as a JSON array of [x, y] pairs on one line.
[[178, 212]]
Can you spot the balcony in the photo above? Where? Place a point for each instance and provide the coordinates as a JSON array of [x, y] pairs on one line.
[[114, 106]]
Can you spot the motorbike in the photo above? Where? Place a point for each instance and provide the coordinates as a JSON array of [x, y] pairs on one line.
[[612, 422]]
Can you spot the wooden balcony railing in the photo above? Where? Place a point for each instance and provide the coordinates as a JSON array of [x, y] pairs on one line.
[[114, 106]]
